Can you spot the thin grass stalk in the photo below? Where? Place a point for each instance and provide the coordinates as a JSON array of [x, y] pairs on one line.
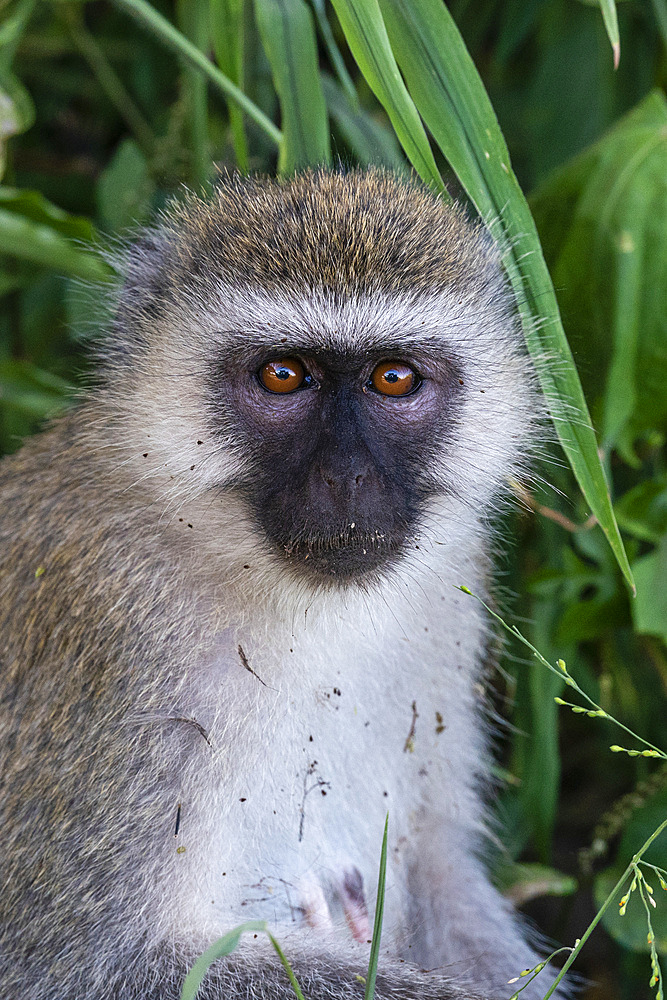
[[173, 39]]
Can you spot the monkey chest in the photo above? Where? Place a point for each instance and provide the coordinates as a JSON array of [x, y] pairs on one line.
[[284, 821]]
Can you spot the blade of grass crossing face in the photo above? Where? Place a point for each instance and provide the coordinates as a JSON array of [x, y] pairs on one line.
[[366, 35], [369, 992], [450, 97], [227, 37], [288, 36]]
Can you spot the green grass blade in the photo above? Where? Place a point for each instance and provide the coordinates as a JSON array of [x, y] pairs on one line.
[[371, 141], [163, 30], [366, 35], [369, 992], [223, 946], [227, 38], [288, 36], [30, 390], [344, 79], [107, 77], [11, 32], [287, 967], [33, 205], [21, 237], [193, 21], [608, 8], [451, 99]]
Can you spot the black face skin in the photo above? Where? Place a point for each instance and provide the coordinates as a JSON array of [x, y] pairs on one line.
[[338, 476]]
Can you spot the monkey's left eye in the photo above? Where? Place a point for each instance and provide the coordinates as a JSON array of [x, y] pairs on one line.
[[394, 378], [284, 375]]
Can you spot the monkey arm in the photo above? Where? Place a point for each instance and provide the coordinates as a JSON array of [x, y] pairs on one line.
[[253, 974]]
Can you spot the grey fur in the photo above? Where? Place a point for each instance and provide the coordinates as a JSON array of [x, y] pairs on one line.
[[170, 681]]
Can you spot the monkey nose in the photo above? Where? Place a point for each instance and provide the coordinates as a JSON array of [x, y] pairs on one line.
[[347, 480]]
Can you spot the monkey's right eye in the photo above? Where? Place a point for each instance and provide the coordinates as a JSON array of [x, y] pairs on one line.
[[283, 375]]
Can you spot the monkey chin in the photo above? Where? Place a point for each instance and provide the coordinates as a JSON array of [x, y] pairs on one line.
[[342, 560]]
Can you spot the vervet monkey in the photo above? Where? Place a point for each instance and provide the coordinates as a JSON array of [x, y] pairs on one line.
[[229, 631]]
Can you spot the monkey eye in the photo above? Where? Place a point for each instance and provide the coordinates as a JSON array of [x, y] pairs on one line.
[[283, 375], [393, 378]]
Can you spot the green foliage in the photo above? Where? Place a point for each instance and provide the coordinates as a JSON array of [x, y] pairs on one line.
[[611, 262], [288, 35], [630, 927], [219, 949], [648, 825], [228, 37], [106, 107], [451, 98], [374, 957], [366, 35], [125, 189]]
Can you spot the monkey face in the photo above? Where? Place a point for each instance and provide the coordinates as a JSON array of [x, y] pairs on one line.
[[338, 443], [335, 354]]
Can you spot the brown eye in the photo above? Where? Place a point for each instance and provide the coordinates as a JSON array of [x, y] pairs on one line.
[[394, 378], [284, 375]]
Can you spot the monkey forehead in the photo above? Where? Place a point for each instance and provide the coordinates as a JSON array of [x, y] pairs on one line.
[[245, 321], [362, 230]]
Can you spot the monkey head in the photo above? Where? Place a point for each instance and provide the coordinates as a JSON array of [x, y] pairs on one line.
[[336, 352]]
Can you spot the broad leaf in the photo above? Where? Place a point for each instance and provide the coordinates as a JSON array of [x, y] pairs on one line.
[[33, 205], [611, 268], [43, 245], [125, 188], [649, 611], [31, 390]]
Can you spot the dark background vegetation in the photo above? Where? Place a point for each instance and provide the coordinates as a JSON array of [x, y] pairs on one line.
[[98, 124]]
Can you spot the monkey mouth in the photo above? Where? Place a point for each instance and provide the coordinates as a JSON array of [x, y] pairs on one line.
[[343, 557]]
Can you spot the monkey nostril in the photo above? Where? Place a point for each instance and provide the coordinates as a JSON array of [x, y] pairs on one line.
[[342, 482]]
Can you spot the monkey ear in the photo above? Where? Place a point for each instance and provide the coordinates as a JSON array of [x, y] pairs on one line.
[[137, 299], [142, 265]]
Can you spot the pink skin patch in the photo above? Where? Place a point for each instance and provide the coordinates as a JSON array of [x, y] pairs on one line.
[[350, 892], [354, 905], [315, 907]]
